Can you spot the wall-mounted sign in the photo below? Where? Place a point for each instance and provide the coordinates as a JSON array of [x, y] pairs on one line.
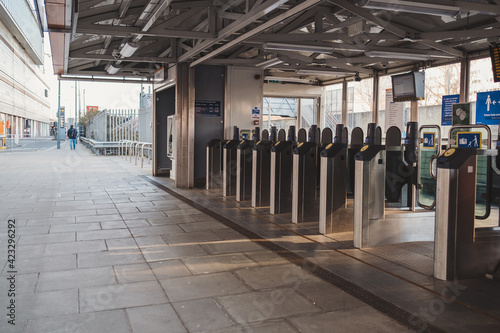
[[429, 141], [461, 114], [447, 109], [159, 75], [207, 108], [488, 108], [393, 111], [469, 139], [255, 113], [495, 62]]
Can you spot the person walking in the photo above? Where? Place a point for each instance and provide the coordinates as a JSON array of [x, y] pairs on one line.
[[72, 137]]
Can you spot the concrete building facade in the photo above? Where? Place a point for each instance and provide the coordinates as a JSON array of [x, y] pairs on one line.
[[24, 91]]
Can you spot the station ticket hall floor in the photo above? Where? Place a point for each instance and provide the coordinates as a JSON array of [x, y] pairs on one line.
[[102, 246]]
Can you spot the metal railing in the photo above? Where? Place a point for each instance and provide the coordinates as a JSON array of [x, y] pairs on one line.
[[132, 149]]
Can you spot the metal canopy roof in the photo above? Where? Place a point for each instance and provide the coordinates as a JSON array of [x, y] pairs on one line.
[[132, 39]]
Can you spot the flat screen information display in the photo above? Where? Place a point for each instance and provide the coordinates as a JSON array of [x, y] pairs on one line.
[[403, 85], [408, 87]]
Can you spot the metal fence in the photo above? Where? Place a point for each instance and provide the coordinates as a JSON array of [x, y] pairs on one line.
[[113, 126]]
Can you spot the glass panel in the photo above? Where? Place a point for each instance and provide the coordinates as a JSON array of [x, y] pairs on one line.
[[359, 104], [482, 191], [332, 111], [279, 112], [428, 148], [481, 80], [439, 81], [308, 113]]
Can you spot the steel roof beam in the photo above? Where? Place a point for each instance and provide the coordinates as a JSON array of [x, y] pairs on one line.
[[128, 32], [275, 20], [404, 33], [81, 55], [254, 14]]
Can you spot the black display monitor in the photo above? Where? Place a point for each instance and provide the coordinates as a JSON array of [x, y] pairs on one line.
[[408, 86]]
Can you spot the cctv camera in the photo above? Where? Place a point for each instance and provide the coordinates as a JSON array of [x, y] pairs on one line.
[[357, 78]]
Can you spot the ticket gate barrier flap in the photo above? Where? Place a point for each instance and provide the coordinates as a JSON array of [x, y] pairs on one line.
[[244, 170], [214, 164], [369, 191], [281, 177], [229, 168], [261, 173], [305, 196], [334, 216]]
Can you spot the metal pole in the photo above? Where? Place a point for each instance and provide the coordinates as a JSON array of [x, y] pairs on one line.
[[344, 102], [375, 98], [75, 103], [58, 115], [105, 125]]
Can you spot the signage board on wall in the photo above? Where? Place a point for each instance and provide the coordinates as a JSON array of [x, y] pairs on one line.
[[159, 75], [447, 109], [205, 108], [394, 111], [461, 114], [255, 113], [488, 108]]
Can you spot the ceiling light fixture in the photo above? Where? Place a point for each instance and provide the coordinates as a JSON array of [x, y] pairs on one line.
[[319, 72], [397, 55], [298, 48], [128, 49], [289, 79], [413, 7], [269, 63], [112, 69]]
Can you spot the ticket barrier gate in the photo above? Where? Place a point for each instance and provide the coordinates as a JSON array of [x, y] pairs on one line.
[[244, 168], [214, 164], [463, 247], [369, 176], [398, 171], [261, 170], [374, 225], [334, 215], [306, 166], [229, 165], [461, 250], [280, 200]]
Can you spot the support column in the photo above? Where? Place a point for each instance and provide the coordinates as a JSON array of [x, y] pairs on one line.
[[184, 126], [344, 102], [414, 111], [464, 80], [375, 99]]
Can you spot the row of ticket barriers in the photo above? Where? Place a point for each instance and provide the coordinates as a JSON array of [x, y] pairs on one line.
[[398, 191]]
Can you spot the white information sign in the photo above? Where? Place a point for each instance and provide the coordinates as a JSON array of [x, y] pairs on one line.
[[393, 111]]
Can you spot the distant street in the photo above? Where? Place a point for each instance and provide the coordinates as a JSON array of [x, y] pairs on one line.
[[27, 144]]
